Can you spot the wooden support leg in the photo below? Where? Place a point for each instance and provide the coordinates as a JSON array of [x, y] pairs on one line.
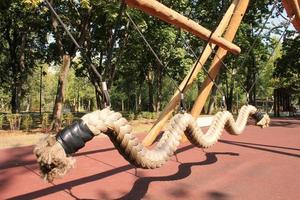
[[221, 53], [170, 108]]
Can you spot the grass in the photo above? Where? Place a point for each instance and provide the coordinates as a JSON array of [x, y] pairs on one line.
[[9, 139]]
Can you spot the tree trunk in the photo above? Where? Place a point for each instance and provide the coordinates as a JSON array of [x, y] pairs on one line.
[[211, 103], [15, 99], [229, 96], [122, 105], [139, 109], [60, 94], [17, 56], [98, 97], [110, 69], [159, 88], [150, 93]]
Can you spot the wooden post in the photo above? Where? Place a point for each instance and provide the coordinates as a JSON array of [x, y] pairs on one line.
[[170, 108], [217, 62], [157, 9]]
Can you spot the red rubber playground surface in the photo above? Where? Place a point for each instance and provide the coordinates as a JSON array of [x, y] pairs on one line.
[[259, 164]]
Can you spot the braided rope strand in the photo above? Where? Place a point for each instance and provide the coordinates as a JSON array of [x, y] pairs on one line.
[[116, 127], [55, 163]]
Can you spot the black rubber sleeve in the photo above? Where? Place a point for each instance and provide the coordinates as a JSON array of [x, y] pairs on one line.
[[258, 116], [74, 137]]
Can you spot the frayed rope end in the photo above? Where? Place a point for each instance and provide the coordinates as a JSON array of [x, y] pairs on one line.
[[52, 159], [264, 122]]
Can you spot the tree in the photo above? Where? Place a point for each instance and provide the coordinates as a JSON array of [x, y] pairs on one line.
[[64, 49], [22, 46], [287, 68]]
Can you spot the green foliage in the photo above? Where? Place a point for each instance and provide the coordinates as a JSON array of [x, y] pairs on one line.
[[14, 121], [48, 87], [128, 115], [80, 93], [27, 122], [4, 99], [149, 115], [22, 44], [85, 3], [45, 122], [32, 3], [287, 71], [68, 118], [136, 80]]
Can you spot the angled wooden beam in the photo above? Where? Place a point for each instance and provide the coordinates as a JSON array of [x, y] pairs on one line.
[[157, 9], [217, 61], [296, 8], [292, 8], [174, 102]]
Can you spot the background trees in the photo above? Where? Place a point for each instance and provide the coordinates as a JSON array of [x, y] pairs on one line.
[[33, 45], [287, 67], [22, 42]]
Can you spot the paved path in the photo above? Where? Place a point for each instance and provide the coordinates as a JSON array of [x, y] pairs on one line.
[[259, 164]]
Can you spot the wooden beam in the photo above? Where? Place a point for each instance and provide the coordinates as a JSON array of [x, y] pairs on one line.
[[217, 62], [171, 107], [296, 8], [292, 8], [157, 9]]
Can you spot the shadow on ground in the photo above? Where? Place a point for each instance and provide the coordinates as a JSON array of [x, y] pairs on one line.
[[263, 147], [141, 185], [285, 122]]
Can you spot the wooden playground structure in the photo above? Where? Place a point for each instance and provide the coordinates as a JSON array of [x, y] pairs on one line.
[[222, 37], [53, 152]]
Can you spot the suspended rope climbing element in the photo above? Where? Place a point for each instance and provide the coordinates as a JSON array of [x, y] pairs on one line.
[[227, 27], [53, 152]]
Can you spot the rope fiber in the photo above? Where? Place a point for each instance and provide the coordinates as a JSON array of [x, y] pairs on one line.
[[54, 162]]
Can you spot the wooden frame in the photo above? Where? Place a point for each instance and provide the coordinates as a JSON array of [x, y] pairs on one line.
[[171, 107], [229, 24]]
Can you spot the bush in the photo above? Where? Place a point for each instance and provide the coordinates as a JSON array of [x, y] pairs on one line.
[[149, 115], [131, 116], [128, 115], [68, 118], [27, 122], [14, 121], [45, 122]]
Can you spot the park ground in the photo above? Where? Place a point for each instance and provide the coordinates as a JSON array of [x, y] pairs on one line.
[[259, 164]]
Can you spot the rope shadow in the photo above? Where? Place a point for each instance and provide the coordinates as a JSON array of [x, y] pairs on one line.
[[16, 157], [262, 145], [17, 161], [257, 147], [141, 185], [68, 185], [286, 123], [94, 151]]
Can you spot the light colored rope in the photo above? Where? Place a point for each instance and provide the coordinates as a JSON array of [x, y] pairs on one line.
[[55, 163], [119, 131]]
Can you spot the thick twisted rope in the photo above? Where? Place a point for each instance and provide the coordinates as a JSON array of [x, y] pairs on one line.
[[119, 131]]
